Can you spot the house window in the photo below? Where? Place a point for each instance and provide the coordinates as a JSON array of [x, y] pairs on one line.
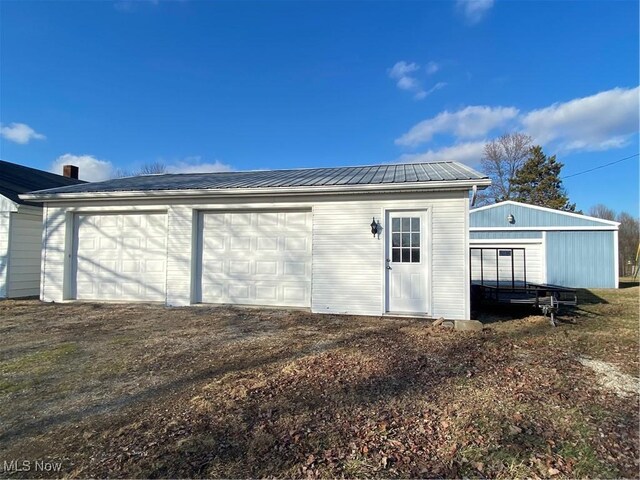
[[405, 240]]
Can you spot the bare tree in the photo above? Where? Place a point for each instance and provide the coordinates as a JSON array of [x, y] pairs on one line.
[[628, 238], [153, 168], [602, 211], [502, 158]]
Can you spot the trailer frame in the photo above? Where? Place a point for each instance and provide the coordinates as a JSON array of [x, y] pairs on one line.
[[549, 298]]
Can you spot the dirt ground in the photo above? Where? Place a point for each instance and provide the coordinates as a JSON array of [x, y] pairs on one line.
[[96, 390]]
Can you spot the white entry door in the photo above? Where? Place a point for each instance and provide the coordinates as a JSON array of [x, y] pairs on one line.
[[256, 258], [406, 263]]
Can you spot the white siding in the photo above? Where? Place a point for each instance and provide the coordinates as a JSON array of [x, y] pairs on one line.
[[532, 252], [349, 266], [449, 255], [52, 281], [179, 261], [4, 251], [348, 272], [25, 244]]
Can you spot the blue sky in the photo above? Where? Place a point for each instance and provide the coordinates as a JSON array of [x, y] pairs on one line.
[[249, 85]]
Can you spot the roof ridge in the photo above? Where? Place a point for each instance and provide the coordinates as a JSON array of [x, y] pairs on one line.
[[294, 169]]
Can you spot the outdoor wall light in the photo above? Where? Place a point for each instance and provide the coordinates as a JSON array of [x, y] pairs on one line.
[[511, 219], [374, 227]]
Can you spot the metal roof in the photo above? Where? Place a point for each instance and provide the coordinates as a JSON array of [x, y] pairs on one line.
[[16, 179], [308, 178]]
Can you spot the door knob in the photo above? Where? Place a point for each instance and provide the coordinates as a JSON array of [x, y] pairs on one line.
[[388, 267]]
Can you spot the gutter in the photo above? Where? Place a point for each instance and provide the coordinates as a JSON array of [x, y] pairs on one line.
[[283, 191]]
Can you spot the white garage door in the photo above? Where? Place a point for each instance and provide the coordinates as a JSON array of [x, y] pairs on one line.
[[531, 269], [256, 258], [121, 256]]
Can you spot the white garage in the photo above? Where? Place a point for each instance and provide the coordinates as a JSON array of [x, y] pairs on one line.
[[368, 240], [256, 258], [120, 256]]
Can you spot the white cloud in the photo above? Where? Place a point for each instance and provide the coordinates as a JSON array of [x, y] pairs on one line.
[[598, 122], [431, 68], [402, 69], [91, 168], [408, 83], [473, 11], [402, 72], [466, 152], [20, 133], [603, 121], [470, 122], [437, 86], [196, 165]]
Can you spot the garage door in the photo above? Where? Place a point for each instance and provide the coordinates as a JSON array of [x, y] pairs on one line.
[[256, 258], [508, 257], [121, 256]]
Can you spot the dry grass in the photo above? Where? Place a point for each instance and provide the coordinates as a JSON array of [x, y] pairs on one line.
[[147, 391]]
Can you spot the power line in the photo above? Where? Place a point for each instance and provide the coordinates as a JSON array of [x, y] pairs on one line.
[[601, 166]]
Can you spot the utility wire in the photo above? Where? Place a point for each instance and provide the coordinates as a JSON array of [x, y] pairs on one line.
[[601, 166]]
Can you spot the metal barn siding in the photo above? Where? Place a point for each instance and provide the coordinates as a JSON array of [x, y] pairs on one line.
[[525, 216], [579, 251], [581, 259], [504, 235]]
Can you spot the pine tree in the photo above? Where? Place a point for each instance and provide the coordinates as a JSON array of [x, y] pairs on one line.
[[538, 182]]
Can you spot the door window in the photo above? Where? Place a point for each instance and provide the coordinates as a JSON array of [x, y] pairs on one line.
[[405, 240]]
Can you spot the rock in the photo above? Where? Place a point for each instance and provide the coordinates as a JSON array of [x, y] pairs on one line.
[[468, 325], [438, 322]]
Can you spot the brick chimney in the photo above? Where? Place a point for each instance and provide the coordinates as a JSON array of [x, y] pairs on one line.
[[70, 171]]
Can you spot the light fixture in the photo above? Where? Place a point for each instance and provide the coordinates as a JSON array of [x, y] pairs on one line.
[[374, 227], [511, 219]]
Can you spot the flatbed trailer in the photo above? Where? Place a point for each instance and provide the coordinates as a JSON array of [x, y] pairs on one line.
[[515, 289]]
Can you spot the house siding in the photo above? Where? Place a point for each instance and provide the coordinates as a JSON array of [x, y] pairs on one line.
[[25, 244], [348, 271], [583, 259], [4, 251]]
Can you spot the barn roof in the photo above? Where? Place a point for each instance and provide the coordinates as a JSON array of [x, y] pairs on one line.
[[16, 179], [532, 217], [308, 180]]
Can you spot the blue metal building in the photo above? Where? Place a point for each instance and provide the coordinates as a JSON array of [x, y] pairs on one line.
[[561, 248]]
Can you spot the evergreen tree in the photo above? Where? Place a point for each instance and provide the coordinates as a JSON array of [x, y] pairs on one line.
[[538, 182]]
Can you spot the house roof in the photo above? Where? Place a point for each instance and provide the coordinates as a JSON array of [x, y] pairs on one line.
[[532, 217], [16, 179], [309, 180]]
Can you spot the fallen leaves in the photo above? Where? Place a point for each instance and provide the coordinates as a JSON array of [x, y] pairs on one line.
[[298, 395]]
